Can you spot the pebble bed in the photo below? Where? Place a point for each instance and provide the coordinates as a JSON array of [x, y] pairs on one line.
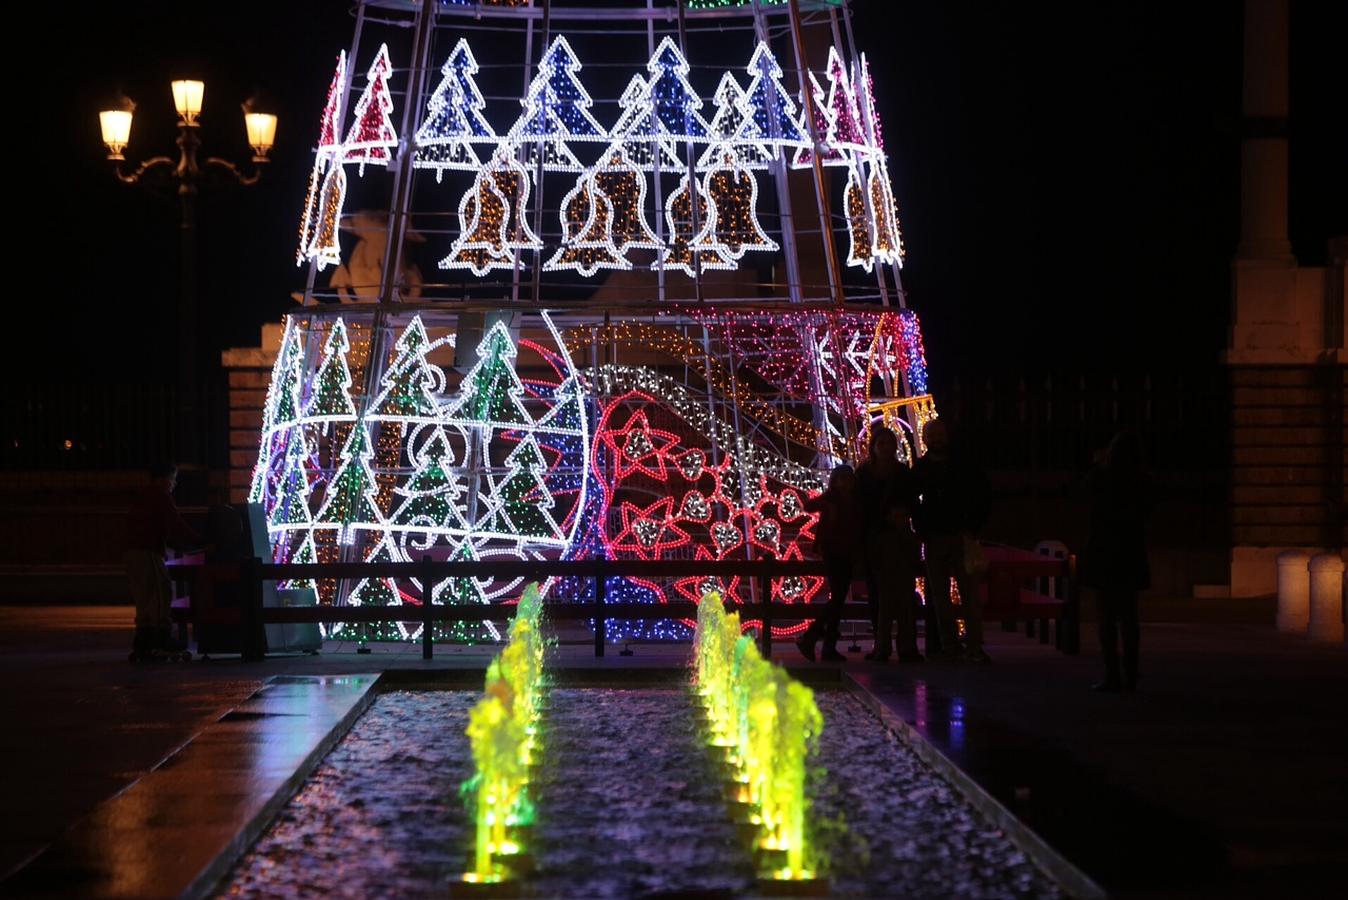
[[892, 827], [629, 805]]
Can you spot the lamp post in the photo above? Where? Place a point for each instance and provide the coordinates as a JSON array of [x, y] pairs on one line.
[[187, 173]]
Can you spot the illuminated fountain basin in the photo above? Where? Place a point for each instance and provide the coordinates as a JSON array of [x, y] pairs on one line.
[[629, 804]]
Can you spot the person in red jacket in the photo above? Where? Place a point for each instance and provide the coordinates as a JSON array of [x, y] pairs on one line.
[[152, 525], [838, 541]]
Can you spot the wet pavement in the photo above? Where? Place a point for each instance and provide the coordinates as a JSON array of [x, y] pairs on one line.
[[168, 834], [1222, 777]]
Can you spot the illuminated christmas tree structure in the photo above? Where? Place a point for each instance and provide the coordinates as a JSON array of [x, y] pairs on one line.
[[651, 336]]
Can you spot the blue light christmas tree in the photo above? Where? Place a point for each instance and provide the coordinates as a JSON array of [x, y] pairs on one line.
[[556, 109], [675, 102], [770, 112]]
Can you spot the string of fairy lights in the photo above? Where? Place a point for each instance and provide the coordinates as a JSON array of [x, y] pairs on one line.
[[603, 214]]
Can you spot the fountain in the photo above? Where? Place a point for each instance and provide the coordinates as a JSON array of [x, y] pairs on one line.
[[503, 730], [767, 724]]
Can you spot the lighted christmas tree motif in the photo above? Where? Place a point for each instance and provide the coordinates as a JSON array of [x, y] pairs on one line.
[[460, 591], [823, 131], [307, 553], [870, 116], [327, 150], [521, 503], [620, 180], [888, 245], [430, 507], [556, 109], [770, 114], [408, 381], [637, 132], [330, 126], [281, 409], [729, 123], [442, 138], [330, 397], [860, 250], [734, 195], [491, 389], [326, 250], [587, 228], [372, 137], [350, 504], [291, 511], [375, 592], [683, 243], [843, 108], [675, 102]]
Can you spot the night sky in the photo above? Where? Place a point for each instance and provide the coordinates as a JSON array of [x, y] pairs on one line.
[[1067, 175]]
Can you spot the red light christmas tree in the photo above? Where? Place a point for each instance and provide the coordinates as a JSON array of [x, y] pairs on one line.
[[372, 137]]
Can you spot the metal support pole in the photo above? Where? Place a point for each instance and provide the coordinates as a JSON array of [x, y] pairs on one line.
[[820, 189], [402, 179], [427, 592], [765, 591], [600, 628]]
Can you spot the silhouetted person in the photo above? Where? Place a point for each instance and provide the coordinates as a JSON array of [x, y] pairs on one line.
[[838, 542], [885, 489], [1114, 566], [153, 524], [954, 500]]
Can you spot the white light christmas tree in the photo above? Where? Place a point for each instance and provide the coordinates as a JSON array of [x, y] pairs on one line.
[[281, 410], [291, 512], [729, 123], [823, 130], [407, 383], [637, 133], [491, 389], [375, 592], [431, 496], [350, 504], [330, 396], [521, 503]]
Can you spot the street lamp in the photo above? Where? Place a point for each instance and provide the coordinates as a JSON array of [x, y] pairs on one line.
[[116, 128]]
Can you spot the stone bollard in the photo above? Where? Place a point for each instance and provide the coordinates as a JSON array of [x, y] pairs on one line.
[[1326, 613], [1294, 592]]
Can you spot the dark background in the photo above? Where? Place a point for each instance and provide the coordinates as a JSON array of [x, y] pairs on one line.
[[1067, 177]]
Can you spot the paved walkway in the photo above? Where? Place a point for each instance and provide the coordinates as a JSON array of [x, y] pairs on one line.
[[1224, 776]]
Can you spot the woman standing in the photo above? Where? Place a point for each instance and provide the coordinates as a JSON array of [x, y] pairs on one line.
[[892, 553]]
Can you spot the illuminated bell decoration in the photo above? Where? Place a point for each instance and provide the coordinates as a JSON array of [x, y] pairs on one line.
[[326, 249]]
